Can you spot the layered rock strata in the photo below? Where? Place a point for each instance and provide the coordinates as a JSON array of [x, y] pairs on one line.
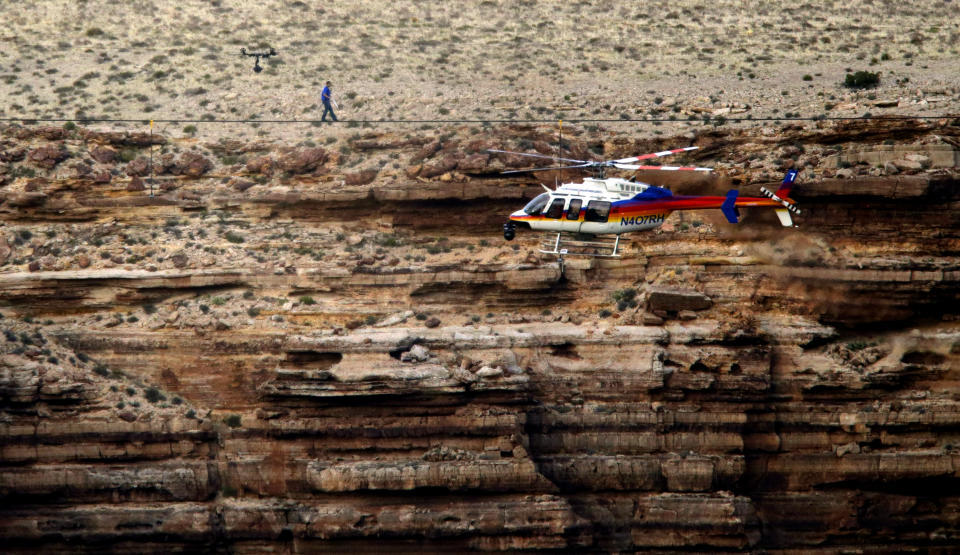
[[249, 369]]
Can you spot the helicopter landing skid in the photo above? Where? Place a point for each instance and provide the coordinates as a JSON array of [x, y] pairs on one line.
[[569, 244]]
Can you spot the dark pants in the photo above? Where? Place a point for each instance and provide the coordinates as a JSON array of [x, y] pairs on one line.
[[327, 109]]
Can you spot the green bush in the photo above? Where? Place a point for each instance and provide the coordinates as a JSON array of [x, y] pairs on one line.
[[232, 420], [861, 80], [153, 395]]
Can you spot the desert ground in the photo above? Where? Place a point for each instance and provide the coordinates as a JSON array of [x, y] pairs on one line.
[[488, 60]]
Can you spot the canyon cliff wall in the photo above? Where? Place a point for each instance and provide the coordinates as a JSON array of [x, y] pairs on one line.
[[281, 352]]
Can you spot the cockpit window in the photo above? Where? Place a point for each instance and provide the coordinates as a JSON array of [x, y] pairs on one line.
[[597, 211], [556, 208], [535, 206]]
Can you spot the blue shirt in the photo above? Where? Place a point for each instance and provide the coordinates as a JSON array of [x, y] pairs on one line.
[[325, 95]]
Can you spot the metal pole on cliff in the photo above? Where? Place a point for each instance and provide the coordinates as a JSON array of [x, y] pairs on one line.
[[151, 158]]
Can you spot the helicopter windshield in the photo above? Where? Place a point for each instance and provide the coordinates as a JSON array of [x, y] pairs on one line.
[[536, 205]]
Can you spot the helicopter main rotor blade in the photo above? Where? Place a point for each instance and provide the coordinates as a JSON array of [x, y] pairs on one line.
[[654, 155], [580, 166], [661, 168], [537, 156]]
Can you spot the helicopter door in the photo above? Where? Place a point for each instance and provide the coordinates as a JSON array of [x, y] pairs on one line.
[[595, 217], [571, 221], [555, 211]]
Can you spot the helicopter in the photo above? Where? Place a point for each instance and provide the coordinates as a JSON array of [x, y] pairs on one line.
[[587, 214]]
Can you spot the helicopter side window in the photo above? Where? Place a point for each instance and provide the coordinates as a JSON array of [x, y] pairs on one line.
[[597, 211], [556, 209], [535, 206], [573, 213]]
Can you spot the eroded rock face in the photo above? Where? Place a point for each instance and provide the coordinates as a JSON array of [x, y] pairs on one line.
[[238, 363]]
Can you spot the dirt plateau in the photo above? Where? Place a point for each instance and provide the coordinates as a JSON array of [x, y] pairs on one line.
[[280, 352]]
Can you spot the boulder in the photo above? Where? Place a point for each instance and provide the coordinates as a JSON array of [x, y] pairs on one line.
[[179, 260], [240, 185], [261, 164], [123, 138], [360, 178], [417, 353], [13, 154], [488, 372], [192, 164], [103, 154], [445, 165], [139, 166], [427, 151], [47, 157], [473, 163], [303, 161], [49, 133], [136, 184]]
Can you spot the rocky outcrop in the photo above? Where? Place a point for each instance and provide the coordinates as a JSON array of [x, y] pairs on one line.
[[300, 359]]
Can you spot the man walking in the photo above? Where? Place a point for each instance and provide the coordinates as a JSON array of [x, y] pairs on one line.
[[327, 99]]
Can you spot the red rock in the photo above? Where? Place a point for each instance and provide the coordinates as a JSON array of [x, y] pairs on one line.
[[261, 164], [241, 185], [303, 161], [81, 170], [448, 163], [83, 261], [192, 164], [127, 415], [360, 178], [103, 154], [124, 138], [139, 167], [136, 184], [34, 266], [179, 260], [35, 184], [47, 132], [473, 163], [14, 154], [427, 151], [102, 177], [47, 157]]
